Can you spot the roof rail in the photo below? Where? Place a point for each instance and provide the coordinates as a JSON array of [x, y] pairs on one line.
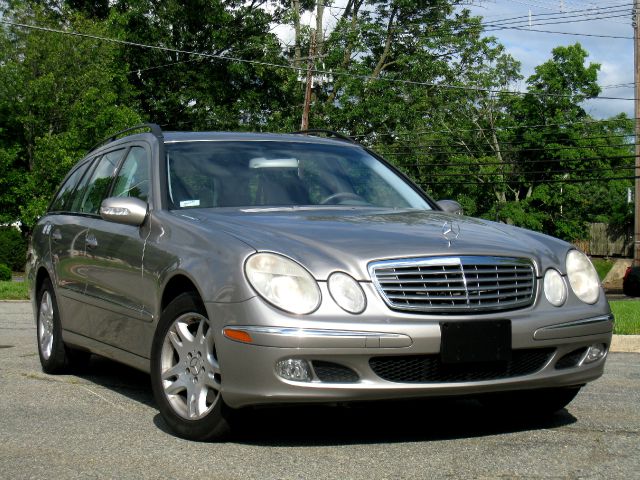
[[155, 130], [329, 133]]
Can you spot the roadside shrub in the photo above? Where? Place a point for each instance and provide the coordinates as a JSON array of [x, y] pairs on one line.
[[5, 273], [13, 248]]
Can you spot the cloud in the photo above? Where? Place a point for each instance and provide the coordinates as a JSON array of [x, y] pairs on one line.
[[534, 48]]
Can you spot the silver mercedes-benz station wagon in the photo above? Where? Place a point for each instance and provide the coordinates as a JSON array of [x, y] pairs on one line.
[[252, 269]]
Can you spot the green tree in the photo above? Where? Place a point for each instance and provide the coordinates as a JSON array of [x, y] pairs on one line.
[[552, 155], [184, 91], [63, 93]]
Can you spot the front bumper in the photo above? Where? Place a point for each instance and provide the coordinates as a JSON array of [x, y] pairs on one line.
[[331, 337]]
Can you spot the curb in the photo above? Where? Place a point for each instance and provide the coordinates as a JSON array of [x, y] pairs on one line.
[[625, 344]]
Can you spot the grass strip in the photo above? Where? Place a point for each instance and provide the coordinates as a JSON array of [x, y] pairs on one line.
[[14, 290], [602, 266], [627, 313]]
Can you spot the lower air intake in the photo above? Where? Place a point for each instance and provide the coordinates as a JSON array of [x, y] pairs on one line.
[[571, 360], [430, 369], [334, 373]]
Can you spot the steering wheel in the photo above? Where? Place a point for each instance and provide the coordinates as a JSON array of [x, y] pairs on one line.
[[331, 199]]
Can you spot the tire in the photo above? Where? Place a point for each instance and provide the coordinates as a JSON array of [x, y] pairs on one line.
[[530, 403], [185, 373], [55, 356]]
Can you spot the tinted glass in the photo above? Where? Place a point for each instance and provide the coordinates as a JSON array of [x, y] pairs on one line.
[[64, 200], [227, 174], [98, 186], [133, 178]]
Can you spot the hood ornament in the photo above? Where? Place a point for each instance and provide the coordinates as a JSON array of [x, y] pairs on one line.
[[450, 231]]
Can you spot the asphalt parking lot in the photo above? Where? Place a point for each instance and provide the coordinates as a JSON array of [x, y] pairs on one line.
[[103, 423]]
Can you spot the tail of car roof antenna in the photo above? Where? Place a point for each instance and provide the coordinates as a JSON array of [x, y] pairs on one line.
[[329, 133], [155, 130]]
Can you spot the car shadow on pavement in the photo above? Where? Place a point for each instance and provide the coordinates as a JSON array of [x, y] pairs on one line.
[[319, 425], [127, 381], [383, 422]]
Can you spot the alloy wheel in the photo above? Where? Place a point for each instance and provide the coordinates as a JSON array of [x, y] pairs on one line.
[[189, 369]]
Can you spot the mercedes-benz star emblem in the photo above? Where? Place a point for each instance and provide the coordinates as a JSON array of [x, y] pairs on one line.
[[450, 231]]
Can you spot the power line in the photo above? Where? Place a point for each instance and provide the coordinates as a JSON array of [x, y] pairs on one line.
[[613, 12], [520, 142], [463, 149], [140, 70], [531, 182], [503, 163], [538, 5], [506, 127], [520, 22], [524, 173], [559, 23], [523, 29], [368, 78], [617, 85], [517, 162]]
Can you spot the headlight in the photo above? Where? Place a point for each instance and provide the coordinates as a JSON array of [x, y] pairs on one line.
[[583, 278], [283, 283], [346, 292], [554, 288]]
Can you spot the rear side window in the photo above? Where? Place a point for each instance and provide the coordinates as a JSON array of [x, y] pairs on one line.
[[64, 200], [98, 186]]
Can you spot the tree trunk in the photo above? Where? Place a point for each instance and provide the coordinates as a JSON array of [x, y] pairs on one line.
[[297, 55], [319, 30], [387, 47]]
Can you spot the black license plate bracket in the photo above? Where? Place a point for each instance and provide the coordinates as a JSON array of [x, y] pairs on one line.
[[475, 341]]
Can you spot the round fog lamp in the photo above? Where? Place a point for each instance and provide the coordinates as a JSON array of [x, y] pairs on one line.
[[554, 288], [346, 292], [595, 352], [294, 369]]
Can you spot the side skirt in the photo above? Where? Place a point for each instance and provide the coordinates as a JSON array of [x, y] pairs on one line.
[[108, 351]]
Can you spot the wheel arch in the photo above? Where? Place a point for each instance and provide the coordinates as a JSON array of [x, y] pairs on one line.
[[177, 285], [41, 276]]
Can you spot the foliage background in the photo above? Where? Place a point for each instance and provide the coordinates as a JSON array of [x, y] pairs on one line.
[[418, 81]]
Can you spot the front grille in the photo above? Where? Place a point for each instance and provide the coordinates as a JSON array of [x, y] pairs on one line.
[[334, 372], [455, 284], [430, 369]]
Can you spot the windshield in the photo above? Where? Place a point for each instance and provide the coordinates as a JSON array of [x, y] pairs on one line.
[[274, 174]]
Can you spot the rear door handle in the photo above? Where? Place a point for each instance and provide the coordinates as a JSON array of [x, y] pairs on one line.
[[91, 241]]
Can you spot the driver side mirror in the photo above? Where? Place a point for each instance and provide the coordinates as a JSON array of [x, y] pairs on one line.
[[127, 210], [450, 206]]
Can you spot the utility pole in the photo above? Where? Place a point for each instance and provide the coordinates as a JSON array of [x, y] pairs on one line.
[[636, 76], [304, 125]]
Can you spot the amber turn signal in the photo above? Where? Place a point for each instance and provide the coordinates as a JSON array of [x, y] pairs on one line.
[[237, 335]]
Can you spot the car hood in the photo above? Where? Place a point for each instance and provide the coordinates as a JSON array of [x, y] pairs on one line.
[[328, 239]]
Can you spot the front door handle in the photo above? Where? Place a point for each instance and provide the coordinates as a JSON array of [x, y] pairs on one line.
[[91, 241]]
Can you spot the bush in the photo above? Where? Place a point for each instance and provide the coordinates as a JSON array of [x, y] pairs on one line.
[[13, 248], [5, 273]]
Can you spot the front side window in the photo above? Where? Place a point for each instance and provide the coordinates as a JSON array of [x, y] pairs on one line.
[[266, 173], [133, 178], [98, 186], [64, 199]]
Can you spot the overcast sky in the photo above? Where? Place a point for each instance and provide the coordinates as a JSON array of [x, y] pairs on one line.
[[533, 48]]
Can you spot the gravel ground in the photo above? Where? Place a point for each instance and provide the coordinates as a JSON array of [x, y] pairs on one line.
[[103, 424]]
